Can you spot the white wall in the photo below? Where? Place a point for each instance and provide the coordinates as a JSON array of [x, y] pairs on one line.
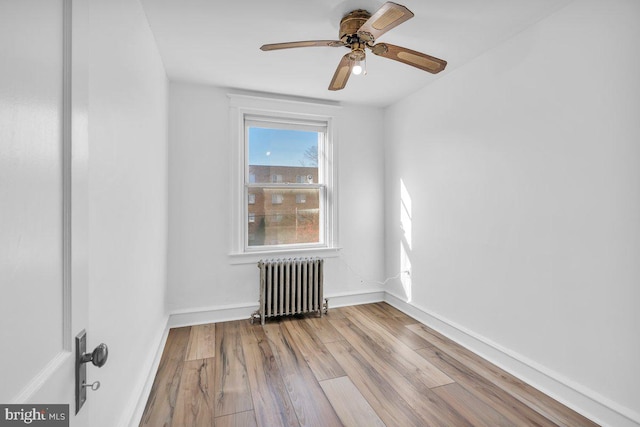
[[523, 170], [128, 96], [200, 275]]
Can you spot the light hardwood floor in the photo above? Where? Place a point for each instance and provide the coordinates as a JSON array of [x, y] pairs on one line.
[[368, 365]]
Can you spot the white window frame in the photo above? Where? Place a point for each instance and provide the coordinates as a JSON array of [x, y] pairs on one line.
[[243, 107], [281, 188]]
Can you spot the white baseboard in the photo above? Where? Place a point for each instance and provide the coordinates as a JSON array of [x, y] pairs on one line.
[[354, 298], [133, 413], [575, 396], [212, 314], [226, 313]]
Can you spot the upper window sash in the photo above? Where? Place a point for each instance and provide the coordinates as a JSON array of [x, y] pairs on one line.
[[268, 122]]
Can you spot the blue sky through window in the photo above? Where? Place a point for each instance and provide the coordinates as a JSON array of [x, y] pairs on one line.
[[280, 147]]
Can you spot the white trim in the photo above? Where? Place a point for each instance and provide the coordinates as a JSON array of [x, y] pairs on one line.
[[571, 394], [213, 314], [254, 257], [42, 377], [132, 414], [344, 299], [67, 165], [225, 313], [265, 101]]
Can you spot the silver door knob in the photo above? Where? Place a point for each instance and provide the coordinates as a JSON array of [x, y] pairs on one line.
[[98, 356]]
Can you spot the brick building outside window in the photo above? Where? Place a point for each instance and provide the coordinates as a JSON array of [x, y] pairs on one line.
[[277, 215]]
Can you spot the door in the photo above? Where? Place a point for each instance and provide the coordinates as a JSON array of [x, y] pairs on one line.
[[43, 196]]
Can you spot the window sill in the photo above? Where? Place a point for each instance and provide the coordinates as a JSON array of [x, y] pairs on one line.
[[254, 257]]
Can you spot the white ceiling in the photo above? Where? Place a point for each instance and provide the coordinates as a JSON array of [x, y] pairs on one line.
[[217, 42]]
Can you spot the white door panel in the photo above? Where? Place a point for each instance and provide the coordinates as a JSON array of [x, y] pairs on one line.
[[39, 270], [31, 189]]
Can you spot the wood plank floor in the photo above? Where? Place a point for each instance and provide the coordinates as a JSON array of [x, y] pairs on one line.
[[367, 365]]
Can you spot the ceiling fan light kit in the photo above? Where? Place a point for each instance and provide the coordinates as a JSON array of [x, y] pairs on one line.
[[359, 31], [358, 61]]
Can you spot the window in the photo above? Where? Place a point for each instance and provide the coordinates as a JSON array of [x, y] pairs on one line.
[[286, 197], [283, 157]]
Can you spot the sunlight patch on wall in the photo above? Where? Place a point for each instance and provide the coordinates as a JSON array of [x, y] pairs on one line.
[[405, 265], [405, 213], [405, 241]]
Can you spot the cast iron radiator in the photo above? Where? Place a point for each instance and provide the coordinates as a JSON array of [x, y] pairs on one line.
[[290, 286]]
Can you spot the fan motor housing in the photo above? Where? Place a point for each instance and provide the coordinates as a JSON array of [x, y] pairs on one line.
[[351, 23]]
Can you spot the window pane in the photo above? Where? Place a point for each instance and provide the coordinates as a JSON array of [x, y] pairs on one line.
[[284, 221], [283, 155]]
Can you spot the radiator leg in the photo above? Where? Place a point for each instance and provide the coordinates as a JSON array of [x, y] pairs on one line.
[[257, 315], [254, 315]]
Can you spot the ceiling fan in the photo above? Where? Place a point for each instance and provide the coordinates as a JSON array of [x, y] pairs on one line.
[[359, 31]]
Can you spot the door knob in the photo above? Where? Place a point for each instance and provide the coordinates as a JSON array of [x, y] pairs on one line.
[[98, 356]]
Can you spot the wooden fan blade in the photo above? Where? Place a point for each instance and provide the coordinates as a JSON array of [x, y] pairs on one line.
[[341, 76], [416, 59], [309, 43], [390, 15]]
